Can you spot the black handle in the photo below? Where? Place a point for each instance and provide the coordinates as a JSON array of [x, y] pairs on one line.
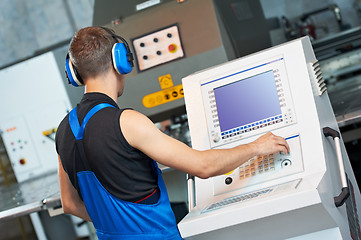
[[345, 191], [329, 132], [340, 199]]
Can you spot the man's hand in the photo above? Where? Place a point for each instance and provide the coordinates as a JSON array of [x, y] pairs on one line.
[[270, 143]]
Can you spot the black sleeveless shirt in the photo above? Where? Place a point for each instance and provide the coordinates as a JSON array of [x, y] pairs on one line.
[[124, 171]]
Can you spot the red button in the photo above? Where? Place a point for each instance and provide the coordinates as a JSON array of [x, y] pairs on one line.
[[22, 161], [172, 48]]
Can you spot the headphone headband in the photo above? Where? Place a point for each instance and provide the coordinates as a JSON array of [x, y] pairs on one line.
[[115, 36]]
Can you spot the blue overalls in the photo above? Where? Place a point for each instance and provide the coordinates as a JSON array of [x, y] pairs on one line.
[[114, 218]]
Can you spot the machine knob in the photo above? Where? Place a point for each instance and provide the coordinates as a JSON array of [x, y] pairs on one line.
[[228, 180], [216, 138], [286, 163]]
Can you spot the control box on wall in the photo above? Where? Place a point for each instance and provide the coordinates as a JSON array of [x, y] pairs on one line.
[[158, 47]]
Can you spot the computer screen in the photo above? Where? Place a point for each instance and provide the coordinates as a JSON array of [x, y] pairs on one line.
[[247, 101], [253, 100]]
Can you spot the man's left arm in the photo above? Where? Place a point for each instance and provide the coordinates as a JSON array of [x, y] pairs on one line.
[[72, 204]]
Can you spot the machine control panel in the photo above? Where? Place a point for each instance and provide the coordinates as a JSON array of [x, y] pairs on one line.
[[29, 140], [19, 145], [246, 102], [262, 168], [158, 47]]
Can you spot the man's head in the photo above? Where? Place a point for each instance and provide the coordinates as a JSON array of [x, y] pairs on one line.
[[93, 51], [90, 52]]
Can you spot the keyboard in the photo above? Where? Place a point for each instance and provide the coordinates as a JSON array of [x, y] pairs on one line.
[[252, 195]]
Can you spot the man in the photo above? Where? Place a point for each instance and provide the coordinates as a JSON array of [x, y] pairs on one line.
[[106, 168]]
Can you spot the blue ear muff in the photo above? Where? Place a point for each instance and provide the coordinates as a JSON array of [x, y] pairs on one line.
[[71, 73], [122, 59]]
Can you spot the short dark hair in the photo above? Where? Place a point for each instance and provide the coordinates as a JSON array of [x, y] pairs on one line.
[[90, 51]]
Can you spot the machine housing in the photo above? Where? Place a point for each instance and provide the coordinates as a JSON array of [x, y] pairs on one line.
[[278, 196]]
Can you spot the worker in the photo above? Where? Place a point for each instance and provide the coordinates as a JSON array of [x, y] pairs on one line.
[[107, 155]]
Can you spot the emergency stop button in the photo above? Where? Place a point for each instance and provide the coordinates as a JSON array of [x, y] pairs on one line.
[[172, 48], [22, 161]]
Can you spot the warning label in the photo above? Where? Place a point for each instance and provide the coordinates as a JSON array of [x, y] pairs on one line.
[[164, 96], [165, 81]]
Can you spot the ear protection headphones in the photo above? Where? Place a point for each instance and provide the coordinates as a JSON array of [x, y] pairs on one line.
[[122, 59]]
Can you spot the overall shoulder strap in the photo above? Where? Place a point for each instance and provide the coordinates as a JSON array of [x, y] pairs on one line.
[[78, 130]]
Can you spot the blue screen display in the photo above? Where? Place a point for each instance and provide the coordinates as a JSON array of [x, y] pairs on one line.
[[247, 101]]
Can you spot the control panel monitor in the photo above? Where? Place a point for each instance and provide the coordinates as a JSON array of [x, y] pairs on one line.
[[252, 100]]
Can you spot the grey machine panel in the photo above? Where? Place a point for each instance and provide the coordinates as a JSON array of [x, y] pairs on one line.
[[203, 44], [211, 33]]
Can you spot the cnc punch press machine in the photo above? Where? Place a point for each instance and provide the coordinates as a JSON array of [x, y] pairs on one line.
[[310, 193]]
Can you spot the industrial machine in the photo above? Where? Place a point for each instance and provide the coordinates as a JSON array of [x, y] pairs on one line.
[[34, 107], [340, 57], [34, 103], [310, 193], [173, 39]]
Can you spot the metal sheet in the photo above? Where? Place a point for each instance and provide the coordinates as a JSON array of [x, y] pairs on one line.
[[29, 196]]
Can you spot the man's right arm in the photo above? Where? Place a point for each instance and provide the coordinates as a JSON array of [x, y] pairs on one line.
[[142, 134], [70, 199]]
